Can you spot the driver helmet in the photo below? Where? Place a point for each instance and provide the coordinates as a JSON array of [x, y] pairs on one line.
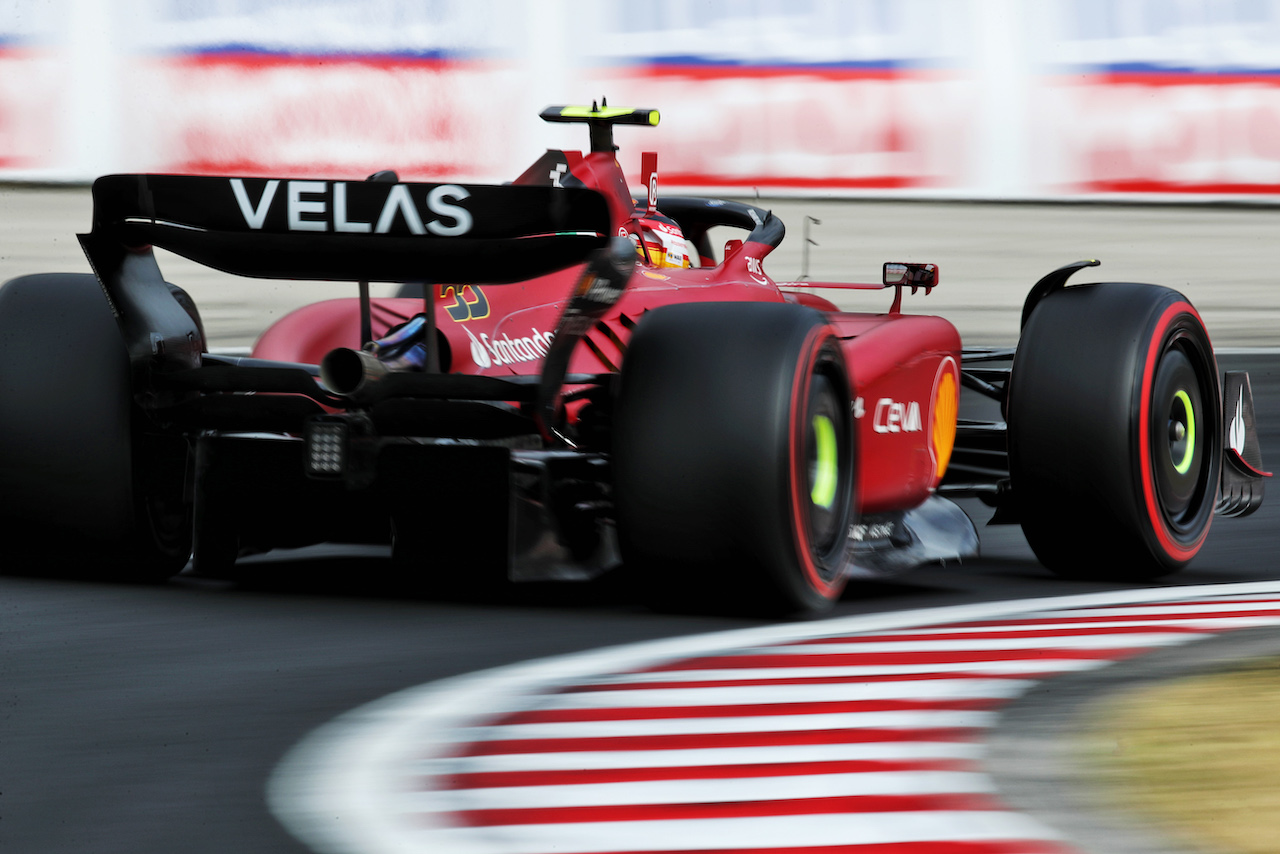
[[659, 241]]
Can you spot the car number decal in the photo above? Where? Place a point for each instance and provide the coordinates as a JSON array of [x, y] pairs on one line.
[[464, 309]]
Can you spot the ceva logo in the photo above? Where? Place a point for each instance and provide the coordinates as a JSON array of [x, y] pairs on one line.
[[308, 206], [894, 417]]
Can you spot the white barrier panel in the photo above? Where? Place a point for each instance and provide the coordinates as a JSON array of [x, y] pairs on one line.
[[786, 130], [32, 86], [943, 98], [1159, 133], [261, 114]]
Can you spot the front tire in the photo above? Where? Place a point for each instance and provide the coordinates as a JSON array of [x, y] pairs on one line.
[[1115, 430], [734, 458]]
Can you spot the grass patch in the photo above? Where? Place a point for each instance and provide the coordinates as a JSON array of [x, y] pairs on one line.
[[1199, 756]]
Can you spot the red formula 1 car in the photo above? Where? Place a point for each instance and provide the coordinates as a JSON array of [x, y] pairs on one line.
[[571, 379]]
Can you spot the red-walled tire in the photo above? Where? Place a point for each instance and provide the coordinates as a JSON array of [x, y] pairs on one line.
[[1115, 430], [733, 458]]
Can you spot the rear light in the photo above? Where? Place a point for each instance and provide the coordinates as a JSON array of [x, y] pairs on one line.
[[328, 444]]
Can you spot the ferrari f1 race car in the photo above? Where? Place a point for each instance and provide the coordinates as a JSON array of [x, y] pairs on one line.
[[571, 379]]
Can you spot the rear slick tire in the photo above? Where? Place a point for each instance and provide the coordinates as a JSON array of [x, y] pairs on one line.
[[1115, 431], [85, 489], [733, 459]]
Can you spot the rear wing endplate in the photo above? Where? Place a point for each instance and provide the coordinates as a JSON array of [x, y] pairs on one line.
[[1240, 488]]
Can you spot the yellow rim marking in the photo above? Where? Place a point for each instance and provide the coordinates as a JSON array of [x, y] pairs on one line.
[[1185, 465], [827, 474]]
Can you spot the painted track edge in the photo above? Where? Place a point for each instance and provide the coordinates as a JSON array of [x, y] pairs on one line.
[[324, 791]]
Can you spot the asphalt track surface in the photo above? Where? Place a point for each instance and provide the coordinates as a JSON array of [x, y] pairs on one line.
[[149, 719]]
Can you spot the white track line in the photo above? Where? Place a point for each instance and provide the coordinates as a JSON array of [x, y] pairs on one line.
[[987, 668], [710, 834], [1107, 641], [705, 756], [756, 694], [762, 723], [1195, 623], [719, 790]]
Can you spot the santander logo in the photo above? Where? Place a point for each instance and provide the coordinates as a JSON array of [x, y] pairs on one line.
[[486, 351], [478, 354]]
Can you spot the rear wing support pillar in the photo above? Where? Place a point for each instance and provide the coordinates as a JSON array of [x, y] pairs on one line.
[[158, 333], [603, 282]]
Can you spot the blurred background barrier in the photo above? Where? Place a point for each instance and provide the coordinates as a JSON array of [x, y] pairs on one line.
[[977, 99]]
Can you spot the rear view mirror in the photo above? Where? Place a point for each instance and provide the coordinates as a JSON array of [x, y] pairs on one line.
[[915, 275]]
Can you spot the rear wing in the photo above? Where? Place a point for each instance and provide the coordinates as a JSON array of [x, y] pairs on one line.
[[353, 230], [358, 231]]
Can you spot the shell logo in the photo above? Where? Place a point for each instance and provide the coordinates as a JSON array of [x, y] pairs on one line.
[[946, 408]]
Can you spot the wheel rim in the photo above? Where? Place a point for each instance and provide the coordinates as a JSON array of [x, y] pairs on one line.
[[1177, 436], [827, 469]]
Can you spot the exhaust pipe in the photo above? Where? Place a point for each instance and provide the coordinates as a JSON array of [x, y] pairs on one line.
[[352, 373], [356, 373]]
